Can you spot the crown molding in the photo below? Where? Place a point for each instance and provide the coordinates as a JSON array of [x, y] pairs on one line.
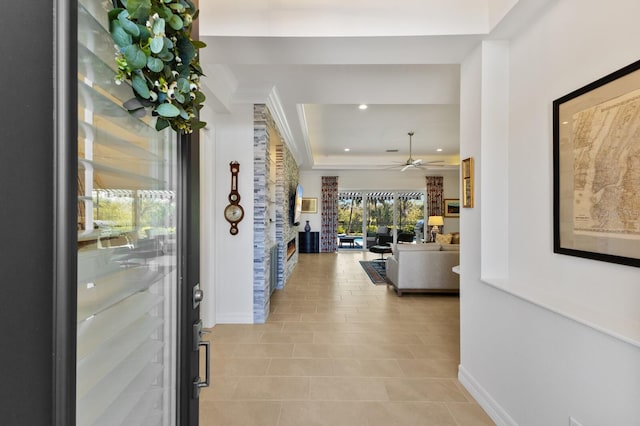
[[304, 129], [280, 118]]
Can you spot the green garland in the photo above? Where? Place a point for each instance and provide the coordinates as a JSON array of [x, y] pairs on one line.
[[156, 55]]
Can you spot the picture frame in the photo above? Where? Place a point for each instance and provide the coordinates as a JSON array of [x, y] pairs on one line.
[[596, 167], [451, 207], [467, 182], [309, 205]]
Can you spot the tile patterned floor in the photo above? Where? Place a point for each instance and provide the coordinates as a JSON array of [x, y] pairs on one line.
[[338, 350]]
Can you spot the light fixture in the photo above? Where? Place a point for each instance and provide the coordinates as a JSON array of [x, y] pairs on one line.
[[435, 222], [347, 149], [439, 149], [363, 106]]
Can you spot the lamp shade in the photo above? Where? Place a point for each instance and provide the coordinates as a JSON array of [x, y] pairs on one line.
[[435, 221]]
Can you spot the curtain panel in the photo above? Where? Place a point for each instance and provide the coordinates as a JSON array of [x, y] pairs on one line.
[[434, 199], [329, 227]]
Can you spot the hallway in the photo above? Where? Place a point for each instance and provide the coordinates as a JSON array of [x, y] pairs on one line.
[[338, 350]]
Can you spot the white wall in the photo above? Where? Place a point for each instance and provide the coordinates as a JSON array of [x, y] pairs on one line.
[[227, 272], [338, 18], [556, 336], [377, 180]]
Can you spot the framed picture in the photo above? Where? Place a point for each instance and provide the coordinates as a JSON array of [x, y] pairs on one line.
[[596, 169], [467, 182], [451, 207], [309, 205]]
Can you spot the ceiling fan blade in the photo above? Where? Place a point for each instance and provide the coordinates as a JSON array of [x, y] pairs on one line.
[[406, 167], [416, 162]]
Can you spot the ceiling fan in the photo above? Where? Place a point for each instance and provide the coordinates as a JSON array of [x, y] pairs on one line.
[[414, 163]]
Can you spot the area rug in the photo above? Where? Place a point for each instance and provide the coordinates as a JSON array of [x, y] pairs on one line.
[[376, 271]]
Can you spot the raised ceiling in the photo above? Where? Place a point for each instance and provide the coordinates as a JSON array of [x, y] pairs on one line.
[[321, 59]]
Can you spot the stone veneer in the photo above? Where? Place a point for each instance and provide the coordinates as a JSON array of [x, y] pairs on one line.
[[287, 177], [266, 136]]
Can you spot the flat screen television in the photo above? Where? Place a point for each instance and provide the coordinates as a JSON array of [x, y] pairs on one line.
[[296, 206]]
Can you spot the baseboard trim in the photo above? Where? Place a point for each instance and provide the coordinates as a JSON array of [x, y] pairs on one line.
[[484, 399]]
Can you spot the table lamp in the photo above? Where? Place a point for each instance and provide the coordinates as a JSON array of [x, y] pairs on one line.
[[435, 222]]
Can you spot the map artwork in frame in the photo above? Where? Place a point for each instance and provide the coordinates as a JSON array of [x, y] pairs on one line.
[[596, 168]]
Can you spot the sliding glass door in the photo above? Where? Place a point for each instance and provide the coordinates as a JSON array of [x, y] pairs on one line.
[[409, 211], [389, 213]]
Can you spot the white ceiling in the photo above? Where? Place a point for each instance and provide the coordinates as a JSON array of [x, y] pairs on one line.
[[411, 82]]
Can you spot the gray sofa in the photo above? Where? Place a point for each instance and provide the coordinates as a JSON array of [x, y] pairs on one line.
[[423, 268]]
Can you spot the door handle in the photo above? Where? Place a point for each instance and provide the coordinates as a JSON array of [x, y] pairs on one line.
[[198, 331], [197, 382]]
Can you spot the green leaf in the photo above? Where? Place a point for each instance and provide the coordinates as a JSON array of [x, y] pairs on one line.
[[164, 12], [179, 97], [166, 56], [135, 57], [119, 35], [190, 4], [198, 44], [144, 33], [157, 44], [167, 110], [113, 13], [177, 7], [167, 43], [176, 22], [155, 64], [196, 67], [139, 9], [140, 86], [183, 113], [158, 26], [183, 85], [127, 25], [200, 98], [197, 124], [161, 124], [185, 50]]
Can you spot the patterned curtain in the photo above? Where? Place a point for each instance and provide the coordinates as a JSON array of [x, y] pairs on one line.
[[434, 198], [329, 232]]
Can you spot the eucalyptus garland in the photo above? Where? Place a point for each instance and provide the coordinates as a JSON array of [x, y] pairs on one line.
[[156, 55]]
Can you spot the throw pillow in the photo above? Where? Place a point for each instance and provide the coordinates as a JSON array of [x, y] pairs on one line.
[[443, 238], [456, 238]]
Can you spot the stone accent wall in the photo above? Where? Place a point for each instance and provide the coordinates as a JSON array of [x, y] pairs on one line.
[[287, 176], [267, 206], [261, 167]]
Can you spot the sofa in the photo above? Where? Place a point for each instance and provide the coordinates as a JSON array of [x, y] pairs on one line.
[[423, 268]]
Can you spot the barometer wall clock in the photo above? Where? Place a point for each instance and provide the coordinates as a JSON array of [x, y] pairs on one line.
[[234, 211]]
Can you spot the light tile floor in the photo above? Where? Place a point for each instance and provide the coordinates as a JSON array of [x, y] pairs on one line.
[[338, 350]]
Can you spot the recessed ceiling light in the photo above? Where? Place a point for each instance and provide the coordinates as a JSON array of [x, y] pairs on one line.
[[363, 106], [347, 149], [565, 122], [439, 149]]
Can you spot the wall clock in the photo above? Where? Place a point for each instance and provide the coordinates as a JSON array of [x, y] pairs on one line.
[[234, 211]]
